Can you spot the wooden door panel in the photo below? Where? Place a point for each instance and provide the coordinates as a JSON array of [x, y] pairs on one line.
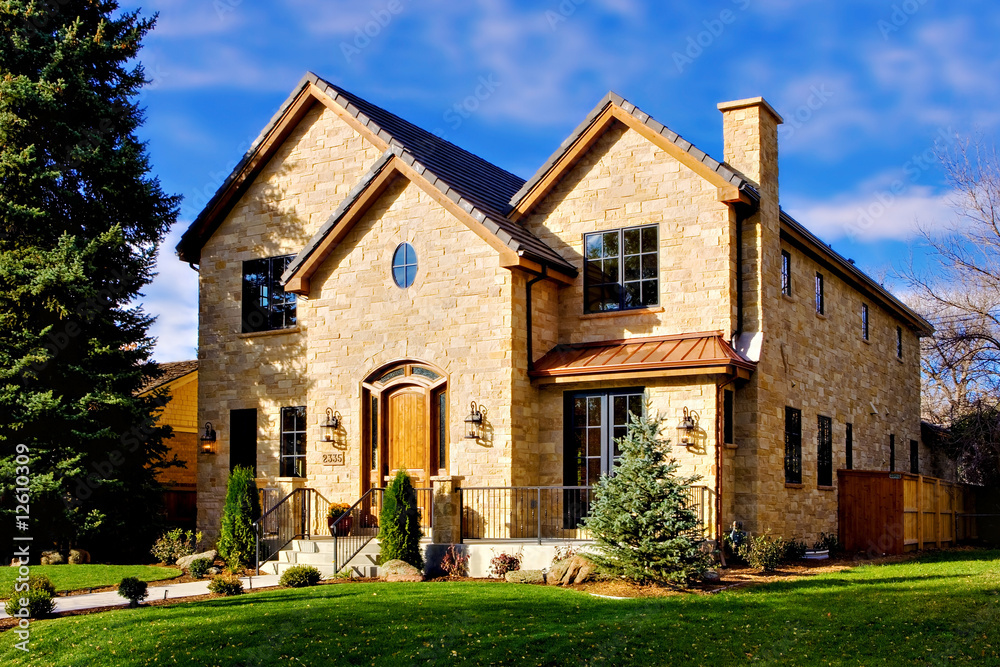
[[408, 431]]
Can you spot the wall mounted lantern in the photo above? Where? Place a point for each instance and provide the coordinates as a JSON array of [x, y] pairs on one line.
[[331, 424], [687, 426], [208, 439], [474, 423]]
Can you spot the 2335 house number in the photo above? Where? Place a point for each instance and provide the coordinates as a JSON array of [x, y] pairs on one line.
[[333, 459]]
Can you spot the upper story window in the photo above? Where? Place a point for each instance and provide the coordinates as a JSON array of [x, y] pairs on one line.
[[786, 273], [266, 305], [404, 265], [899, 342], [621, 269], [820, 300], [864, 321]]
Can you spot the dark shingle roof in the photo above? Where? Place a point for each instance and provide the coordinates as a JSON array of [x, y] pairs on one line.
[[170, 371], [724, 170], [516, 237]]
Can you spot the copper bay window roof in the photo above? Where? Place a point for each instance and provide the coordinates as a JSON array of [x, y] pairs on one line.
[[705, 353]]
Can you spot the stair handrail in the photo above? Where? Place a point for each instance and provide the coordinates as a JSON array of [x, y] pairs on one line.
[[337, 564], [258, 525]]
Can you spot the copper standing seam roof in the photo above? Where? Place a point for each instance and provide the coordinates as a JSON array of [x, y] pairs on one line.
[[693, 351]]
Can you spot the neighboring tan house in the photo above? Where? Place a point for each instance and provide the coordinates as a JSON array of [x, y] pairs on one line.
[[179, 380], [356, 262]]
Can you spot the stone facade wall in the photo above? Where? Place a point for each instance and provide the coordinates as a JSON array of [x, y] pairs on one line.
[[315, 168], [624, 181]]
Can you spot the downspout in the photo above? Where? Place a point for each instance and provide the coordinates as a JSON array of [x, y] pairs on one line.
[[527, 289]]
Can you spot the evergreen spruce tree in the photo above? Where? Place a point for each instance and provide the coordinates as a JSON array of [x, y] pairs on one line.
[[236, 539], [640, 518], [399, 523], [81, 219]]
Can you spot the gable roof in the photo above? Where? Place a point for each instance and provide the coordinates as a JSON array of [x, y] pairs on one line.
[[482, 183], [398, 161], [170, 371]]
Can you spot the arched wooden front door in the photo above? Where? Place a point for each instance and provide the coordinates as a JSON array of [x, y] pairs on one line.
[[407, 427]]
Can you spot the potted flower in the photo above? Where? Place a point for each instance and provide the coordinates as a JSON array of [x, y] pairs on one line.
[[336, 511]]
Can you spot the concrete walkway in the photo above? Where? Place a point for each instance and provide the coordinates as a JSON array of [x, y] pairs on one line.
[[173, 592]]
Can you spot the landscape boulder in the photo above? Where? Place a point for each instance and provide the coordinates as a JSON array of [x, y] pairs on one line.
[[525, 577], [52, 558], [398, 570], [184, 562], [575, 570], [711, 577], [78, 556]]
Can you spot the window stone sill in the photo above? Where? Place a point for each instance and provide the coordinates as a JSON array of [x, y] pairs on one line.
[[790, 485], [622, 313], [272, 332], [826, 488]]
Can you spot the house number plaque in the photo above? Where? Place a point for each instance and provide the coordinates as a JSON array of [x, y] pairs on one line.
[[334, 459]]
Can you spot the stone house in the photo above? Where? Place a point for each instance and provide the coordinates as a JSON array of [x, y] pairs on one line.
[[179, 381], [358, 267]]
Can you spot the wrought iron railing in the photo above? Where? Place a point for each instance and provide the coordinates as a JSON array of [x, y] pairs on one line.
[[287, 520], [360, 524], [548, 512]]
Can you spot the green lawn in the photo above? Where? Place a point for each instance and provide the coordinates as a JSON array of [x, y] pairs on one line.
[[943, 609], [74, 577]]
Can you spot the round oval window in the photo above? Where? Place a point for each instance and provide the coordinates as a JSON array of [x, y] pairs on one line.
[[404, 265]]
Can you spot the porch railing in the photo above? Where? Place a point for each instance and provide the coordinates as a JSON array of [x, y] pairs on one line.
[[549, 512], [356, 528]]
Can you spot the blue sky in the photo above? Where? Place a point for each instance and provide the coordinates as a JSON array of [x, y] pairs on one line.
[[869, 90]]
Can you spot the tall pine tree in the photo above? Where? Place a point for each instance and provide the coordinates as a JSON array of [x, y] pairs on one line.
[[641, 518], [81, 219]]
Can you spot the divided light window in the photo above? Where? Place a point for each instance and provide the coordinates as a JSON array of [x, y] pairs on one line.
[[820, 306], [824, 452], [849, 447], [899, 342], [621, 269], [266, 306], [914, 457], [293, 442], [793, 446], [595, 423], [864, 321], [786, 273]]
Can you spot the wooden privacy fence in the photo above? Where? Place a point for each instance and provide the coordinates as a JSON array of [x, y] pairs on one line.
[[892, 512]]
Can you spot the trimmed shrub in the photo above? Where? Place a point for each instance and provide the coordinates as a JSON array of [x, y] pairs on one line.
[[236, 539], [39, 603], [795, 550], [226, 584], [199, 567], [763, 552], [300, 576], [36, 582], [503, 563], [174, 544], [641, 519], [134, 590], [399, 523]]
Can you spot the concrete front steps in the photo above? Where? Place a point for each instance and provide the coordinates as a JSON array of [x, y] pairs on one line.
[[319, 554]]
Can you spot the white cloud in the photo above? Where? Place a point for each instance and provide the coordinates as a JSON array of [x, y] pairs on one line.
[[173, 298], [874, 213]]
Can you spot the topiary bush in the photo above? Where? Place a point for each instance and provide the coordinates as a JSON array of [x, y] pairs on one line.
[[640, 517], [38, 601], [399, 523], [226, 584], [237, 538], [134, 590], [763, 552], [300, 576], [199, 567]]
